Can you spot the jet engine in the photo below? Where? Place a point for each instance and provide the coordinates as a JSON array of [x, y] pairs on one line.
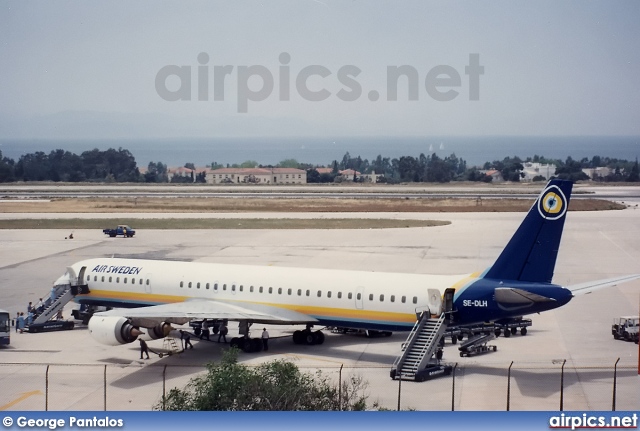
[[159, 331], [113, 330]]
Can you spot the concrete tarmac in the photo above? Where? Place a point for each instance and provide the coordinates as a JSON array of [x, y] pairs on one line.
[[595, 245]]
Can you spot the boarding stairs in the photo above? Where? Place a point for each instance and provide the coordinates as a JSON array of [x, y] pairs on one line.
[[417, 362], [54, 306]]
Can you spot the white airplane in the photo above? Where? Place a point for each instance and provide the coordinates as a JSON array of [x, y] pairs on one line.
[[153, 294]]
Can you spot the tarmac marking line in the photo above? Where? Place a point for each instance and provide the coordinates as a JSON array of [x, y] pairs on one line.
[[21, 398]]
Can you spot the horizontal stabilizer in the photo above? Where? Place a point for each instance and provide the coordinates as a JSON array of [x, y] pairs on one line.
[[590, 286], [510, 295], [183, 312]]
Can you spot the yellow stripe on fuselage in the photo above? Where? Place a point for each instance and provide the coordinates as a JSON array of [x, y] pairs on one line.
[[328, 312]]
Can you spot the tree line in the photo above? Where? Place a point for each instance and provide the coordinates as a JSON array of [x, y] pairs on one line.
[[120, 166]]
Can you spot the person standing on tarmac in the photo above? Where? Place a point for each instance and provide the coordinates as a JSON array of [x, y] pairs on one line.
[[223, 331], [187, 339], [143, 348], [265, 339]]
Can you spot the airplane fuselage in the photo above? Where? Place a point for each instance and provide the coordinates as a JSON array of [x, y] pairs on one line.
[[355, 299]]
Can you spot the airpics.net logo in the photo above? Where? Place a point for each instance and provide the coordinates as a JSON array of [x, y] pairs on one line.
[[257, 83]]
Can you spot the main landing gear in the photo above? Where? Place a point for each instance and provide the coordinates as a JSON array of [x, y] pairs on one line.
[[308, 337]]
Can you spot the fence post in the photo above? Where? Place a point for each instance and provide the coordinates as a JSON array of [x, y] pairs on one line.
[[509, 387], [399, 390], [340, 388], [46, 390], [164, 387], [453, 387], [615, 378], [104, 382], [562, 386]]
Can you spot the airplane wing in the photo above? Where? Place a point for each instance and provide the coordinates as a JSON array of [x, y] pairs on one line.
[[183, 312], [590, 286]]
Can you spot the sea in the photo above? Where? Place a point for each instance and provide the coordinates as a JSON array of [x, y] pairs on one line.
[[323, 150]]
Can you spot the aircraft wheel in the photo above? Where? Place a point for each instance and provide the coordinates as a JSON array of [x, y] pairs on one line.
[[247, 345], [507, 333], [514, 331], [388, 333], [308, 338], [454, 339], [318, 337], [235, 342], [497, 332], [298, 337], [523, 331]]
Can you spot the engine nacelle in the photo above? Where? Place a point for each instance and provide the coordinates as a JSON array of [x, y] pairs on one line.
[[159, 331], [113, 330]]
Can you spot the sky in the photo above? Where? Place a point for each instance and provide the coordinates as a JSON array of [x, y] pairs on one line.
[[75, 69]]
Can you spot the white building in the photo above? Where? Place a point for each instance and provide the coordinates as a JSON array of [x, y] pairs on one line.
[[532, 170], [256, 176]]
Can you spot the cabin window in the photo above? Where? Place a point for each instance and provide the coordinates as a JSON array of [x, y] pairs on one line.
[[88, 278], [215, 287], [140, 282], [251, 289], [339, 295], [279, 290], [125, 280], [270, 290], [182, 284], [415, 299], [224, 287], [359, 296], [381, 298], [350, 295], [189, 285], [233, 287], [329, 294], [299, 292], [319, 293], [147, 281], [117, 279], [260, 290], [308, 292], [207, 286], [110, 279], [393, 298], [103, 278], [95, 278], [198, 285], [240, 288], [371, 297], [404, 299], [288, 291], [133, 280]]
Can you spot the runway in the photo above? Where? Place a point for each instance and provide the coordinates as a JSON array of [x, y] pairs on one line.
[[595, 245]]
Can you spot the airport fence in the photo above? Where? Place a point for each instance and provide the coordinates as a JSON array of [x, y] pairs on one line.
[[513, 386]]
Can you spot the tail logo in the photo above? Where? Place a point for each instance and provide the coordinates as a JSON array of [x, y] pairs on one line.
[[552, 204]]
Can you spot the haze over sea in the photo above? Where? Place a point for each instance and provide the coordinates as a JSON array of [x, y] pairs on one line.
[[322, 150]]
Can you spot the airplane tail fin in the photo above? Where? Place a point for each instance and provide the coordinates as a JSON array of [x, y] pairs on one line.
[[531, 253]]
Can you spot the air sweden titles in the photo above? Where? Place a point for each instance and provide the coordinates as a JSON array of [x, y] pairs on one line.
[[110, 269]]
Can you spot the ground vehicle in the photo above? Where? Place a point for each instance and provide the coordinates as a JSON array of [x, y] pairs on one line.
[[5, 328], [123, 229], [626, 328]]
